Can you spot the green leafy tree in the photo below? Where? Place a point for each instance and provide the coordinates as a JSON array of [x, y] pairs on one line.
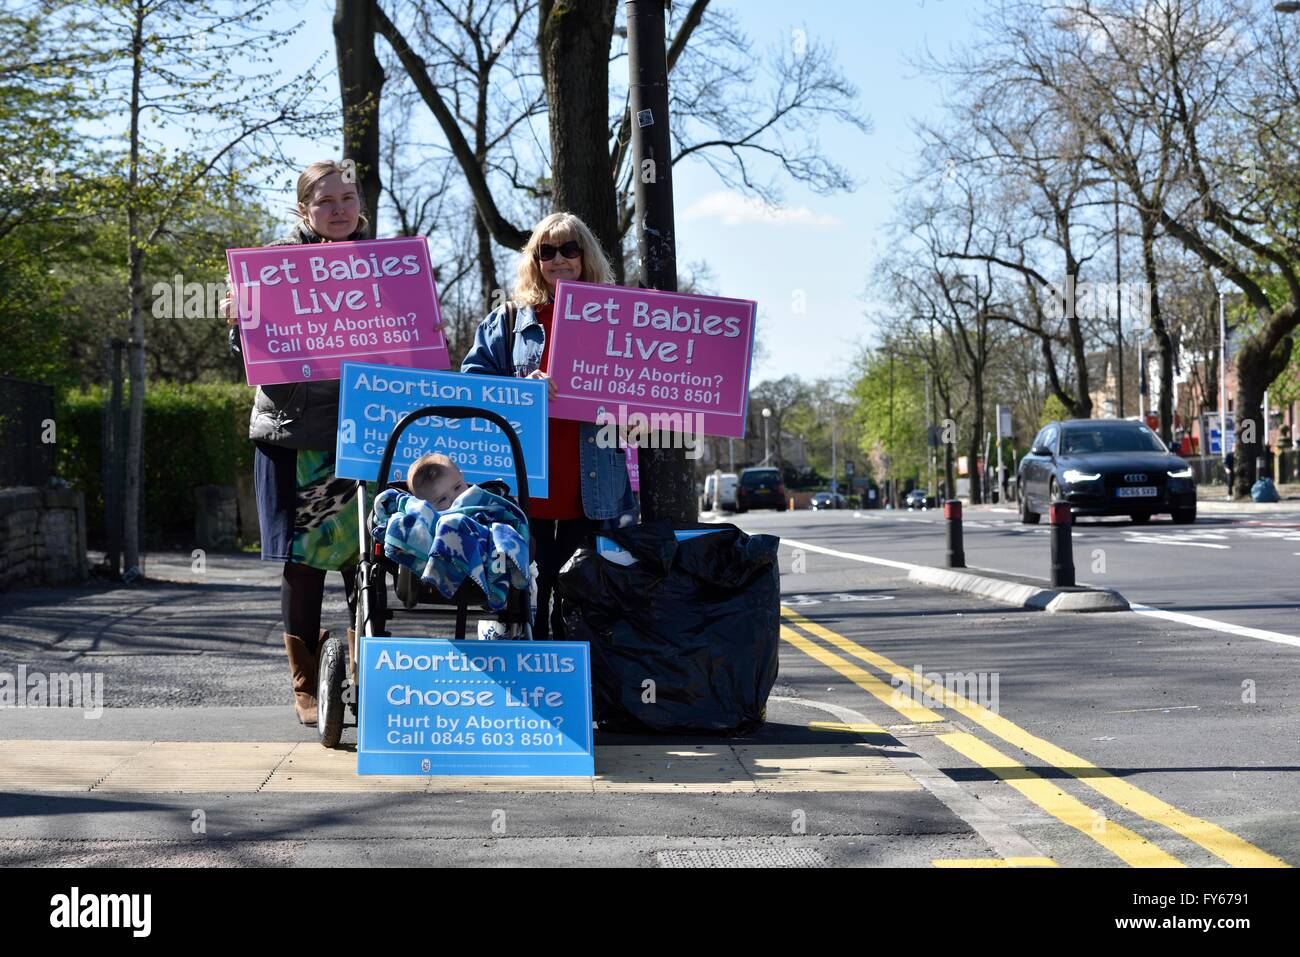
[[888, 395], [207, 72]]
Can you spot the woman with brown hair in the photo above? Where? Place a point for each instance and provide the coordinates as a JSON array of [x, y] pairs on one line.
[[588, 483], [307, 515]]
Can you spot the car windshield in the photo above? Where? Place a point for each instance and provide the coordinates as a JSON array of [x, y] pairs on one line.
[[1085, 441], [760, 478]]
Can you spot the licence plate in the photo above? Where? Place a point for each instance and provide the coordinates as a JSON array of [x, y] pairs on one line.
[[1137, 491]]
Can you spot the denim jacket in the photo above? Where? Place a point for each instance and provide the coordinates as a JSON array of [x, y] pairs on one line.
[[606, 490]]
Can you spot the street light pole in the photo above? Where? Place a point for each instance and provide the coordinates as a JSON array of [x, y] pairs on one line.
[[666, 486], [1223, 392], [767, 451], [889, 469], [834, 469], [1119, 306], [929, 431]]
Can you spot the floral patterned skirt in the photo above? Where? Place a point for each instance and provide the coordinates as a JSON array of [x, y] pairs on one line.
[[307, 514]]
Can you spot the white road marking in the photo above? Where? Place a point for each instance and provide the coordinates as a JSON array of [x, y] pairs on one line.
[[887, 562], [1157, 540], [1172, 707], [1196, 621]]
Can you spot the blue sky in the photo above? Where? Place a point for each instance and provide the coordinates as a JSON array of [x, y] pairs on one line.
[[822, 246], [815, 250]]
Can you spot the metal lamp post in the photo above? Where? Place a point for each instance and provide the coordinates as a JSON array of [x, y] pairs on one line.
[[767, 452]]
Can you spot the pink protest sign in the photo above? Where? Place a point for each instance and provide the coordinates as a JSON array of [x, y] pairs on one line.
[[681, 361], [305, 310]]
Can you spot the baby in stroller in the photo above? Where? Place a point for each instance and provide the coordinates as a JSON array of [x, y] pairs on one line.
[[446, 531], [437, 479]]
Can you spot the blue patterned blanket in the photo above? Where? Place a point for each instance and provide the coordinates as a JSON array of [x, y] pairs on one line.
[[482, 536]]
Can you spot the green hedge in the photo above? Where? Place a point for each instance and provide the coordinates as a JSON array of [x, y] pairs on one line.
[[193, 435]]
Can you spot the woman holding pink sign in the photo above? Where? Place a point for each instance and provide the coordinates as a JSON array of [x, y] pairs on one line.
[[588, 483], [307, 515]]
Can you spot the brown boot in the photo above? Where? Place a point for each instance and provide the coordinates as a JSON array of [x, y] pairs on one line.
[[303, 668], [352, 655]]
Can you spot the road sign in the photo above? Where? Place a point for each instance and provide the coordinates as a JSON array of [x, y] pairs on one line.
[[437, 706], [1004, 421], [374, 398], [1210, 429], [848, 467]]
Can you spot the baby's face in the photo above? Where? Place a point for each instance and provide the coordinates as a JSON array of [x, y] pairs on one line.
[[444, 490]]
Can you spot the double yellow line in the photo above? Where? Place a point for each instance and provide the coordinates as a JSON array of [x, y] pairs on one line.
[[1130, 847]]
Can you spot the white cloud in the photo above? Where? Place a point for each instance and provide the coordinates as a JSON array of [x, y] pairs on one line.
[[733, 209]]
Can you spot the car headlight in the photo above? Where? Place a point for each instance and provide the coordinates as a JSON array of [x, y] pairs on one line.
[[1181, 473], [1074, 476]]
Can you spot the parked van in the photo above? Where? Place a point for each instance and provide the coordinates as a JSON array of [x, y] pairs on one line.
[[720, 490]]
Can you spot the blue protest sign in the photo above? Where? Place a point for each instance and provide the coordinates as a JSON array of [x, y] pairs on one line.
[[373, 399], [437, 706]]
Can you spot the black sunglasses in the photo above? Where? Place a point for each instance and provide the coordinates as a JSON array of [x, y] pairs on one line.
[[570, 250]]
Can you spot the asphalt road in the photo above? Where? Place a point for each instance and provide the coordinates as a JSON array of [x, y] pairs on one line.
[[1242, 570], [1202, 720], [1099, 740]]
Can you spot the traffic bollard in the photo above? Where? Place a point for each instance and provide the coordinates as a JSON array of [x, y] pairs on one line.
[[956, 553], [1062, 547]]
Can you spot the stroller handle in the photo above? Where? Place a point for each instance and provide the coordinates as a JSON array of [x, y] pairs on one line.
[[460, 412]]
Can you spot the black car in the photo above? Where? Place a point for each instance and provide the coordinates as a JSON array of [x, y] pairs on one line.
[[760, 488], [1105, 467]]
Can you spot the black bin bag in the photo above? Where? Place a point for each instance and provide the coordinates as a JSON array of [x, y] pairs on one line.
[[700, 617]]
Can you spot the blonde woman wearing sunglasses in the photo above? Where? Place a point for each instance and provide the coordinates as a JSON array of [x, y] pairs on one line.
[[588, 484]]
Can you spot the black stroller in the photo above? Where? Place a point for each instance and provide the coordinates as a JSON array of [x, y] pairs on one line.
[[337, 689]]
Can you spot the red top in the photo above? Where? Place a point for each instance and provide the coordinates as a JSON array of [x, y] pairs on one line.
[[565, 479]]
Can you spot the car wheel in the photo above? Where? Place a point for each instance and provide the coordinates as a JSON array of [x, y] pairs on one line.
[[1027, 515], [1184, 516]]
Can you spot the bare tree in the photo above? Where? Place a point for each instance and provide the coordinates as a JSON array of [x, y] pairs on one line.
[[589, 171], [1204, 92]]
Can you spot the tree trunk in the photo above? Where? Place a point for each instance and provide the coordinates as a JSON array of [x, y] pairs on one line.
[[1257, 367], [949, 476], [573, 41], [361, 79], [1164, 342], [667, 478], [976, 438], [130, 516], [487, 266], [1081, 407]]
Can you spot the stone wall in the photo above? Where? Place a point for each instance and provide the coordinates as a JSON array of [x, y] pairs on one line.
[[42, 536]]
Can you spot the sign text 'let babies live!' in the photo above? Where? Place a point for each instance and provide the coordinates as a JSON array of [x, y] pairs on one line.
[[305, 309]]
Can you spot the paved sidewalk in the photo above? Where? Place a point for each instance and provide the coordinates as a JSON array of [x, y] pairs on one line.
[[185, 637]]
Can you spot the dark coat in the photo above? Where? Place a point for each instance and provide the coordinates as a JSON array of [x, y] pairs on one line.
[[295, 415]]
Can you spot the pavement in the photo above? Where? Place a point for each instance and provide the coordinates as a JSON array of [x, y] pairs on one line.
[[910, 726]]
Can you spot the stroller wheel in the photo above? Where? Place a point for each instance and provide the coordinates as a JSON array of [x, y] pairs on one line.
[[329, 694], [408, 589]]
